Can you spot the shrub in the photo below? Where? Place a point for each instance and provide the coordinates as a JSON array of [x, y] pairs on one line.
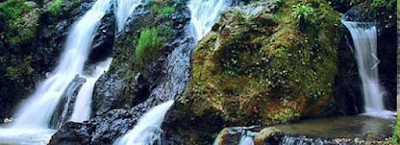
[[147, 46], [55, 7], [304, 15]]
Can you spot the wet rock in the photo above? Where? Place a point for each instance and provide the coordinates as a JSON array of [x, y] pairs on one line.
[[103, 39], [66, 105], [268, 136], [106, 92]]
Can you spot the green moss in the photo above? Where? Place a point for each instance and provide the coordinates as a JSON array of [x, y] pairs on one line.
[[55, 7], [162, 9]]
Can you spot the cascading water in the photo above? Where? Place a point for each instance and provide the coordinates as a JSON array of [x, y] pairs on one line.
[[82, 107], [365, 42], [148, 129], [124, 9], [246, 140], [204, 14], [36, 112], [33, 118]]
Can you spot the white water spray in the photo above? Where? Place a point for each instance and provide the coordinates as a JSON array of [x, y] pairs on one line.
[[148, 128], [82, 107], [365, 42], [204, 14], [123, 10]]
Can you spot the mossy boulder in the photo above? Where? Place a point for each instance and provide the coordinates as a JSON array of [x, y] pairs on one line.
[[262, 68]]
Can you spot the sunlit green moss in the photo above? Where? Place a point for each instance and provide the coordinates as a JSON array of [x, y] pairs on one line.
[[55, 7]]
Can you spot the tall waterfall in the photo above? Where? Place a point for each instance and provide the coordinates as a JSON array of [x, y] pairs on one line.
[[38, 109], [82, 107], [123, 10], [204, 14], [365, 42], [148, 129]]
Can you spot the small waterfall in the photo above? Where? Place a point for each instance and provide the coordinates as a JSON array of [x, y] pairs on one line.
[[38, 109], [123, 10], [236, 135], [148, 128], [365, 42], [302, 140], [246, 140], [204, 14], [82, 107]]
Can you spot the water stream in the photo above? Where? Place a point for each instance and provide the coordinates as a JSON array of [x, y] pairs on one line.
[[82, 107], [364, 36], [148, 129], [204, 14], [33, 118], [123, 10]]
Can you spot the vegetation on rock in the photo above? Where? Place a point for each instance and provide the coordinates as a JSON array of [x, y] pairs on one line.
[[55, 7], [260, 69], [18, 28]]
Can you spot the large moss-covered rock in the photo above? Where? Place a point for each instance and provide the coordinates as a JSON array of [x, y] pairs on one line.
[[262, 68]]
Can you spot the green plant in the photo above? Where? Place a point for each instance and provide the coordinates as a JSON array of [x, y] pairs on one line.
[[382, 3], [148, 44], [304, 15], [162, 10], [55, 7], [277, 17]]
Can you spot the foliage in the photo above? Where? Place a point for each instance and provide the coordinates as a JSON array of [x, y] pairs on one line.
[[147, 46], [277, 17], [55, 7], [304, 15], [162, 10], [388, 4]]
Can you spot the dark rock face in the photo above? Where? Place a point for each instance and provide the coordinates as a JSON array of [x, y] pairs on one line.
[[348, 88], [103, 39]]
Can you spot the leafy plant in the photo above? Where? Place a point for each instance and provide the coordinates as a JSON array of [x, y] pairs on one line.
[[277, 17], [55, 7], [304, 15], [148, 44]]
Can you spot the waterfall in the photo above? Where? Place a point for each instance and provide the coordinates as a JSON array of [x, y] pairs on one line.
[[364, 36], [246, 140], [148, 129], [38, 109], [82, 107], [124, 9], [204, 14]]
